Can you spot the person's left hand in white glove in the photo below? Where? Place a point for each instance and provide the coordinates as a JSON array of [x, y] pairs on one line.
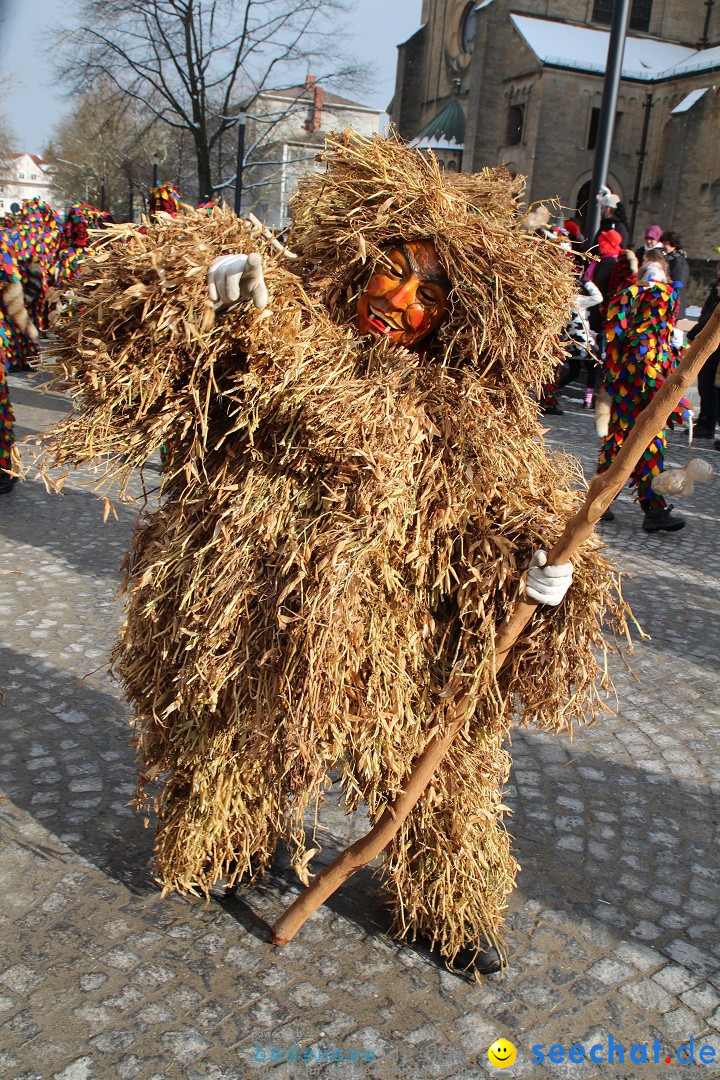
[[233, 276], [547, 584]]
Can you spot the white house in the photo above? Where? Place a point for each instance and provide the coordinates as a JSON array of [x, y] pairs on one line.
[[23, 176], [285, 131]]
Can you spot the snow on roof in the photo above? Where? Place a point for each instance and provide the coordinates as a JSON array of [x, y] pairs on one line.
[[436, 142], [581, 47], [702, 60], [33, 157], [689, 100]]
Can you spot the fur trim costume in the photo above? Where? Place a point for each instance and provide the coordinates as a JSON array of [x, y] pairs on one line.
[[342, 526]]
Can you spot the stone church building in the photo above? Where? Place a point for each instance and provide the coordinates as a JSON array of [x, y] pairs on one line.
[[521, 83]]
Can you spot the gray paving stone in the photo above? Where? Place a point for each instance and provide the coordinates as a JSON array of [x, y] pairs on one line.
[[675, 979]]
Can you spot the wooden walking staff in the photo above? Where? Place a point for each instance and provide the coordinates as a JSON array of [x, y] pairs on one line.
[[601, 492]]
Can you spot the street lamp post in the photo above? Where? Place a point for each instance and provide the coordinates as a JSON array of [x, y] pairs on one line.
[[240, 157], [606, 122]]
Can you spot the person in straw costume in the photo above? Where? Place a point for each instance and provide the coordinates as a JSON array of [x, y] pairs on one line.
[[355, 486]]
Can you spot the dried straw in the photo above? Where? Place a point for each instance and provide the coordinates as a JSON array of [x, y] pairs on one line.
[[341, 528]]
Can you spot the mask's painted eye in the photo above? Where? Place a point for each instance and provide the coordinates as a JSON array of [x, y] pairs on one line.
[[428, 296]]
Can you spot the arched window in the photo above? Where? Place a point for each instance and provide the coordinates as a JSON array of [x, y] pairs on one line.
[[468, 27], [582, 200], [515, 120], [640, 13]]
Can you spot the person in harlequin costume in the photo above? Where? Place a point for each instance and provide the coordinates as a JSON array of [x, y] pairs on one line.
[[74, 242], [6, 416], [28, 253], [165, 197], [576, 332], [639, 355]]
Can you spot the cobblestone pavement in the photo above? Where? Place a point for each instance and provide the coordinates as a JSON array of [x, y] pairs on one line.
[[614, 929]]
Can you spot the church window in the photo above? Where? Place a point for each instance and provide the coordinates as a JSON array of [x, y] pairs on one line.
[[515, 119], [639, 13], [468, 27]]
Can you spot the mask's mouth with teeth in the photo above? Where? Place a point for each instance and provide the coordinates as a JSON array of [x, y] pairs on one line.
[[380, 322]]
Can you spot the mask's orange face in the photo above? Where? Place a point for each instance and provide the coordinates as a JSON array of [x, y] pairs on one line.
[[406, 299]]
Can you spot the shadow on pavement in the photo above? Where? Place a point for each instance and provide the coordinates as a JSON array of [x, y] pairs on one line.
[[633, 855]]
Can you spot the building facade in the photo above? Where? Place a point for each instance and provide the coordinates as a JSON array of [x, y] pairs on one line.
[[528, 77], [23, 176], [285, 131]]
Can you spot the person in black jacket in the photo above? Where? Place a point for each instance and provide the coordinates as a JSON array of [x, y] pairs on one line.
[[678, 267], [612, 216], [709, 393]]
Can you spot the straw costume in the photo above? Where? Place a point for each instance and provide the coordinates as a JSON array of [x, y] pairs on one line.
[[638, 358], [342, 525]]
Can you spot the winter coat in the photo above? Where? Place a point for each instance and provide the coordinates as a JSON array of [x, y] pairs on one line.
[[679, 270]]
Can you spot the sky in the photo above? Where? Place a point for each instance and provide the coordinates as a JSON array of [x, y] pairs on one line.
[[33, 103]]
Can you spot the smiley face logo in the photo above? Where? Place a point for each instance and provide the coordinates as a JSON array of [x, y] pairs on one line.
[[501, 1054]]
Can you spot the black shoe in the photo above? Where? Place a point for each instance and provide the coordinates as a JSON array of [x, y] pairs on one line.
[[488, 961], [485, 961], [7, 482], [700, 432], [662, 520], [551, 410], [609, 515]]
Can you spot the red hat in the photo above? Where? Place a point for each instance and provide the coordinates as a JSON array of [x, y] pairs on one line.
[[572, 229], [610, 242]]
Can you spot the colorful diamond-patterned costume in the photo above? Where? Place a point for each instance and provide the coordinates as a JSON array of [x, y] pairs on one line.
[[165, 197], [6, 413], [638, 358], [75, 241], [28, 249], [28, 253]]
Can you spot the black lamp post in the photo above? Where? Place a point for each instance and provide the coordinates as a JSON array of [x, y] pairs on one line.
[[240, 158], [606, 122]]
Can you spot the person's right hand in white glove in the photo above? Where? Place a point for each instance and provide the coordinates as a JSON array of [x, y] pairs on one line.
[[547, 584], [233, 276]]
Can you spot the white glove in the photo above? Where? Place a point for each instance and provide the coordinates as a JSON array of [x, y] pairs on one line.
[[547, 584], [233, 276]]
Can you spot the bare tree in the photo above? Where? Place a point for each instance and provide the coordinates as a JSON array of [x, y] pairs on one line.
[[7, 134], [106, 147], [7, 137], [193, 63]]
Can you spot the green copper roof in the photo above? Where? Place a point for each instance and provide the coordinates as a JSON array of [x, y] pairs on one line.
[[446, 131]]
